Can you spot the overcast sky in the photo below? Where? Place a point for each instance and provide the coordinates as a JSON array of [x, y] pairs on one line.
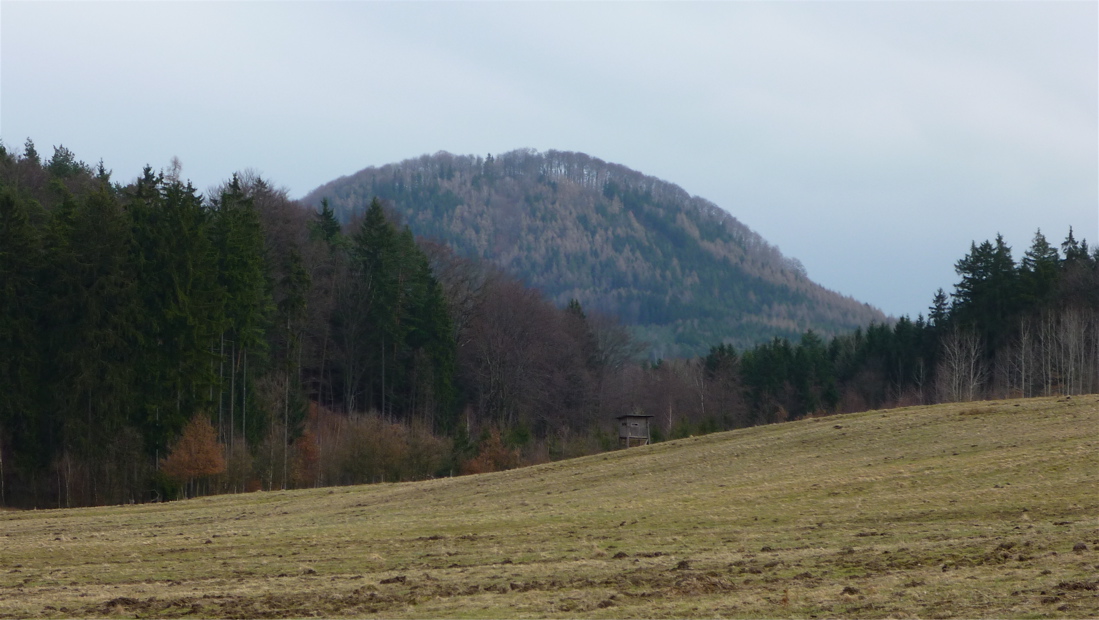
[[872, 141]]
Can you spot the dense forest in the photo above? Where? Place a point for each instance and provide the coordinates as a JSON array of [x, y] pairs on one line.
[[678, 270], [158, 343]]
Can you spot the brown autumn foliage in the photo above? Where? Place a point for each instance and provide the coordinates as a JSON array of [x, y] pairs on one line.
[[305, 467], [493, 456], [197, 454], [338, 449]]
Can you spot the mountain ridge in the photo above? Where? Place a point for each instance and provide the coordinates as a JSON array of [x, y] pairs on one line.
[[682, 271]]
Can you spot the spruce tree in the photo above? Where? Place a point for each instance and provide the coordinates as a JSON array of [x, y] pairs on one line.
[[245, 296], [1038, 273], [20, 337], [939, 311], [1073, 250], [370, 315], [325, 226], [30, 153], [987, 296], [433, 333], [183, 305], [92, 336]]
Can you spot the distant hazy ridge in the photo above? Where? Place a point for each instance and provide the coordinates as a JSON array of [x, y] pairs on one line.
[[685, 273]]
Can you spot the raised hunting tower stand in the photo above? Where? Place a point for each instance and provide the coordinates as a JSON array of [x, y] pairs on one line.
[[633, 430]]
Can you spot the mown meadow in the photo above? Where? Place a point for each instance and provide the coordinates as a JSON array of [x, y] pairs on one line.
[[985, 509]]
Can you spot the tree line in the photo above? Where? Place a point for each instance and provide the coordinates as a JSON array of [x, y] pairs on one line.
[[146, 326], [1008, 330], [158, 343]]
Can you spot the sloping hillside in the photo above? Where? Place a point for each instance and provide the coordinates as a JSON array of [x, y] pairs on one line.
[[684, 272], [968, 510]]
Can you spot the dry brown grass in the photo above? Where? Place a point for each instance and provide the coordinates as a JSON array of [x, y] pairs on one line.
[[958, 510]]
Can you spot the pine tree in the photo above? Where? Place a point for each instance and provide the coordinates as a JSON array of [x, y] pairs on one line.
[[428, 340], [183, 305], [939, 310], [1073, 250], [988, 295], [294, 286], [101, 173], [368, 317], [64, 164], [577, 321], [325, 226], [30, 153], [93, 313], [439, 344], [237, 237], [20, 337], [1038, 273]]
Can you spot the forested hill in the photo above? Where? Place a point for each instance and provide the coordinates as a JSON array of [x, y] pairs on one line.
[[679, 269]]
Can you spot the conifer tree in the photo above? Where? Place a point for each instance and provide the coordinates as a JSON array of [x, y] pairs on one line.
[[939, 311], [395, 324], [325, 226], [64, 164], [987, 296], [183, 306], [294, 286], [30, 153], [245, 297], [1038, 271], [366, 315], [432, 332], [92, 338], [1073, 250], [20, 309]]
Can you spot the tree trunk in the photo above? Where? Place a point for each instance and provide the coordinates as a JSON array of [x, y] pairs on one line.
[[244, 401], [286, 409], [221, 389], [3, 501], [233, 396]]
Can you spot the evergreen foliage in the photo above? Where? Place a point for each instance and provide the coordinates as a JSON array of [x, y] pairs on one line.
[[315, 353]]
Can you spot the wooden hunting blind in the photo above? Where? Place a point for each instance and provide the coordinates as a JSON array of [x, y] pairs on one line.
[[633, 430]]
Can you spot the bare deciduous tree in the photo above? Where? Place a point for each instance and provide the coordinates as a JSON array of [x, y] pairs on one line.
[[962, 371]]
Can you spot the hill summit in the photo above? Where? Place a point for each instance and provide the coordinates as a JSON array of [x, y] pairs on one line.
[[684, 273]]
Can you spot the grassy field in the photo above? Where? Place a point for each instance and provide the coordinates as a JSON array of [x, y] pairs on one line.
[[968, 510]]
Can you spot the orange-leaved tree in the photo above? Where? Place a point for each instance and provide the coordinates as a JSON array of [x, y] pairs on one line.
[[196, 455], [493, 456]]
